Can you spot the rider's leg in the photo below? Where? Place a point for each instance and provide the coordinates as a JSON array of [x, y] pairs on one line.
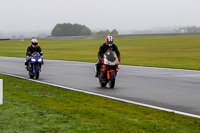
[[97, 68], [26, 62]]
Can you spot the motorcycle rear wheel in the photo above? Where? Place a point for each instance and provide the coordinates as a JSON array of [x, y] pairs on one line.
[[31, 76], [102, 83]]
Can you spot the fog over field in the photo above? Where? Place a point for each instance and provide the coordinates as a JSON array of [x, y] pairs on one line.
[[26, 16]]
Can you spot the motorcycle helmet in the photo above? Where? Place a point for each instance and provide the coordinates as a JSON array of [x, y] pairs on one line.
[[34, 43], [109, 40]]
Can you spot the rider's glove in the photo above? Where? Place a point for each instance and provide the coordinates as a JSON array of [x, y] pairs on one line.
[[27, 57]]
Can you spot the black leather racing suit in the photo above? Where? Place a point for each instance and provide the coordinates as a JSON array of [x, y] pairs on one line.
[[31, 50], [103, 48]]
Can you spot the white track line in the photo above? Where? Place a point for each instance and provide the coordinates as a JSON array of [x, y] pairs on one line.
[[105, 96]]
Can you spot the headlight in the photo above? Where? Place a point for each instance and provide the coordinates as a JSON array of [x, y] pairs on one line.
[[112, 63], [40, 60], [33, 60]]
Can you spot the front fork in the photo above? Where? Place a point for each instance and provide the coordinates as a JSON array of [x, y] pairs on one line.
[[109, 71], [35, 66], [104, 69]]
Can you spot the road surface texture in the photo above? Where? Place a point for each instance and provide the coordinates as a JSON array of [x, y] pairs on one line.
[[173, 89]]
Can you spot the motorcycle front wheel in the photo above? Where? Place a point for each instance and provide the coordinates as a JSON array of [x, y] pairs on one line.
[[112, 79], [37, 72]]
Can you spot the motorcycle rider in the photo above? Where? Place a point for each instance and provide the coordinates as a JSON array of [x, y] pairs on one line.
[[34, 47], [102, 49]]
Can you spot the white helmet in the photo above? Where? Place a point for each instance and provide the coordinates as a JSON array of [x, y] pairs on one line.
[[34, 43]]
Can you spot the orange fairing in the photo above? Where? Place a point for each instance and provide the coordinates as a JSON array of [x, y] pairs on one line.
[[108, 73], [104, 70], [106, 62], [117, 61]]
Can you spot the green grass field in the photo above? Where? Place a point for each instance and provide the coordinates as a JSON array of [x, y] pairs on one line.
[[157, 51], [31, 107]]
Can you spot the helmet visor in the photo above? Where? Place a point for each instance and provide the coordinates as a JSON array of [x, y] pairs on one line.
[[34, 44]]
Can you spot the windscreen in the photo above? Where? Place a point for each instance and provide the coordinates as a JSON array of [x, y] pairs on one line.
[[36, 54], [110, 55]]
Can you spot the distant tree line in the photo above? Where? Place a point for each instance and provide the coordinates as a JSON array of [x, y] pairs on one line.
[[106, 32], [68, 29]]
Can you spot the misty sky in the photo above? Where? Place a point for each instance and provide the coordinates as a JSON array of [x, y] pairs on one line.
[[34, 15]]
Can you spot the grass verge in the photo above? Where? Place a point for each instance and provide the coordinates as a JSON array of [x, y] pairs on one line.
[[33, 107]]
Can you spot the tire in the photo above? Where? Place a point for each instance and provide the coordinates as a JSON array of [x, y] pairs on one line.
[[102, 83], [31, 76], [112, 79], [37, 72]]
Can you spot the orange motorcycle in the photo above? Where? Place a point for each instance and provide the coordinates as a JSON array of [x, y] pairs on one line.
[[109, 69]]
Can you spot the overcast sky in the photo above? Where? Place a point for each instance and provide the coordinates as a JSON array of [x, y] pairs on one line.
[[33, 15]]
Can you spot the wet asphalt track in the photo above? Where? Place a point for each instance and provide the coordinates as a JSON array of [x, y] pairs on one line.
[[167, 88]]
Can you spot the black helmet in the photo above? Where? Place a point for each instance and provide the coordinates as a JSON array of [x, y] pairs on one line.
[[34, 43]]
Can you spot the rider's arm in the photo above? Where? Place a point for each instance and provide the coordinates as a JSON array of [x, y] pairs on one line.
[[28, 53], [117, 52], [40, 51], [100, 52]]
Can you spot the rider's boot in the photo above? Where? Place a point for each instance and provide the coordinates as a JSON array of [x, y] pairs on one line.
[[26, 65]]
